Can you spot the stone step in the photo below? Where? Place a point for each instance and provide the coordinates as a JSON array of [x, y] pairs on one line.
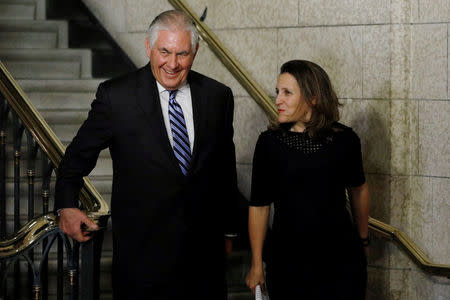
[[103, 167], [103, 181], [56, 116], [241, 295], [33, 34], [30, 40], [44, 69], [56, 101], [65, 132], [19, 1], [17, 11], [40, 7], [47, 63], [10, 151], [103, 185], [60, 85]]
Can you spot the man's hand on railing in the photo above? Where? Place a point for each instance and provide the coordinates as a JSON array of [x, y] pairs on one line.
[[76, 224]]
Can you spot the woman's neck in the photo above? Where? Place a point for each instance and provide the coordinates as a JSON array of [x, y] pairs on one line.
[[298, 127]]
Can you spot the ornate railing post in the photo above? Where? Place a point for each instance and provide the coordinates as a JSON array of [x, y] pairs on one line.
[[18, 130], [74, 270], [31, 173], [47, 170], [60, 269], [40, 230], [87, 267], [4, 109]]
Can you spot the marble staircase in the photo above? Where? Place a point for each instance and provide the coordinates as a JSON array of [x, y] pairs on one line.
[[58, 80]]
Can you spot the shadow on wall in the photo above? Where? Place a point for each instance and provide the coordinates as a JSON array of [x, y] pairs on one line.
[[372, 128]]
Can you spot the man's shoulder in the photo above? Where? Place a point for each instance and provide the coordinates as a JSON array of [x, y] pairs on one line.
[[125, 80], [204, 80]]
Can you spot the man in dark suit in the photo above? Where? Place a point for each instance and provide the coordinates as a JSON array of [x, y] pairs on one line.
[[170, 134]]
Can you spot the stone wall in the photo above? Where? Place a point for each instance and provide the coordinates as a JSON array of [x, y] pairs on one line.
[[388, 60]]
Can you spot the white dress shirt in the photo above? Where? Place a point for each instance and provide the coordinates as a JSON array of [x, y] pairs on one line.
[[184, 99]]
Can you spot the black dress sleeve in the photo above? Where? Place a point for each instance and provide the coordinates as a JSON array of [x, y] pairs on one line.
[[354, 171], [263, 173]]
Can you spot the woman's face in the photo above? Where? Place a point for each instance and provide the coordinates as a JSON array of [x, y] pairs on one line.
[[290, 103]]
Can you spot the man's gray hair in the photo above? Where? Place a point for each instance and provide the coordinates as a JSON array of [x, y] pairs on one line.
[[172, 20]]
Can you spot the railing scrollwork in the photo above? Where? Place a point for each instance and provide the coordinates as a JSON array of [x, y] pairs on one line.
[[31, 168]]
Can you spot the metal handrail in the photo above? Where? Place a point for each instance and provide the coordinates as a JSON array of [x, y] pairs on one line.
[[232, 64], [30, 234], [409, 246], [96, 207], [243, 77]]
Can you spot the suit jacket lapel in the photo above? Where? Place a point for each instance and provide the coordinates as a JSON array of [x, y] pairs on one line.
[[148, 99], [198, 108]]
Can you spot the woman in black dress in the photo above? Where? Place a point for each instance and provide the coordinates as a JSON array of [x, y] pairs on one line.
[[304, 166]]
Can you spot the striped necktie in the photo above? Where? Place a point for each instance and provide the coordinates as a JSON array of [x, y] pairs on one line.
[[181, 146]]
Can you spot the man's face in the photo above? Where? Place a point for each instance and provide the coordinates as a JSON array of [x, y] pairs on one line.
[[171, 57]]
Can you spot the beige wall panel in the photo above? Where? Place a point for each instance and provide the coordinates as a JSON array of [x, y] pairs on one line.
[[134, 45], [441, 220], [442, 289], [412, 211], [421, 228], [434, 11], [434, 136], [423, 286], [377, 277], [380, 195], [448, 61], [370, 120], [248, 13], [139, 14], [400, 217], [400, 205], [255, 49], [404, 11], [110, 13], [379, 186], [420, 286], [208, 64], [400, 61], [404, 137], [379, 252], [376, 61], [429, 61], [398, 284], [325, 12], [337, 49], [249, 122]]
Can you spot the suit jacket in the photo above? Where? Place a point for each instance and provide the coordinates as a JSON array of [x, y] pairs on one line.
[[165, 225]]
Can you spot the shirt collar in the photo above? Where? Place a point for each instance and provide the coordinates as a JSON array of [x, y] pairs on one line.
[[181, 89]]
